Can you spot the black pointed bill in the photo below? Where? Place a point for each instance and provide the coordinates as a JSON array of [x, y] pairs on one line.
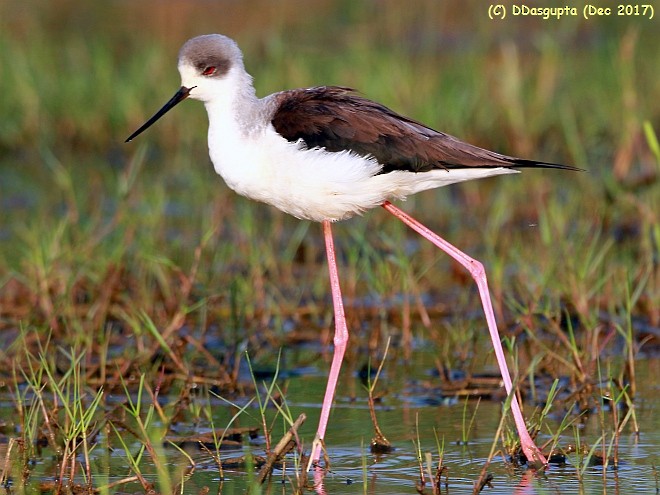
[[178, 97]]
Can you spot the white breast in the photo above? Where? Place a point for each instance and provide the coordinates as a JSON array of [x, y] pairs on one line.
[[314, 184], [306, 183]]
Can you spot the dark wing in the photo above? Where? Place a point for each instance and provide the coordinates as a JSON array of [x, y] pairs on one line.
[[335, 118]]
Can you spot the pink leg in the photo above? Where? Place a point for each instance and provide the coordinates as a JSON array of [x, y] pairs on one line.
[[476, 269], [340, 341]]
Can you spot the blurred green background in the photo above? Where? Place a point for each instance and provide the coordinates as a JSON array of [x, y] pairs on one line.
[[78, 77]]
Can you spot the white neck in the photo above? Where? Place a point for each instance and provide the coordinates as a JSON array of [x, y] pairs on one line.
[[234, 107]]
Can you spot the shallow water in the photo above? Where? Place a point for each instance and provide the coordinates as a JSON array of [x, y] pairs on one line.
[[400, 416], [405, 414]]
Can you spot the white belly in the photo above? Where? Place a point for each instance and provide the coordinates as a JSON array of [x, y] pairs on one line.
[[315, 184]]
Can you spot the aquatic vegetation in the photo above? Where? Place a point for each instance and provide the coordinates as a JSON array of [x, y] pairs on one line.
[[134, 286]]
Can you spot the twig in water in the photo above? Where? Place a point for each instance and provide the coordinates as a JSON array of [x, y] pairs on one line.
[[282, 448]]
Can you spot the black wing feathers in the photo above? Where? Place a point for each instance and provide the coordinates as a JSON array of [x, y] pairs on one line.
[[334, 118]]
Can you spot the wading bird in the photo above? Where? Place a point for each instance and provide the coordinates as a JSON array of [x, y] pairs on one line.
[[327, 154]]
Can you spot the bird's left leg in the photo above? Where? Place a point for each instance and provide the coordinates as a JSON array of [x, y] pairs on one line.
[[340, 342]]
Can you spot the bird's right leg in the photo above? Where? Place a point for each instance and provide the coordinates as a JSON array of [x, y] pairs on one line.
[[476, 269]]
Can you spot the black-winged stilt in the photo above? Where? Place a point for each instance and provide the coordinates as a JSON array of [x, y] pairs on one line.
[[326, 154]]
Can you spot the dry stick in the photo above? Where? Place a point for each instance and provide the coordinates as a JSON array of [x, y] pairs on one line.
[[281, 449], [418, 453], [154, 397], [484, 477], [88, 467], [123, 481], [210, 359], [215, 458], [51, 433], [428, 457], [59, 482], [72, 460], [5, 469], [379, 442], [616, 423], [74, 464]]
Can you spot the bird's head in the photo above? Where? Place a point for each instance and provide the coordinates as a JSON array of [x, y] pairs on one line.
[[211, 68]]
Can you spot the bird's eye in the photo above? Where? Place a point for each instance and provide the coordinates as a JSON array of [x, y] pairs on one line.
[[209, 71]]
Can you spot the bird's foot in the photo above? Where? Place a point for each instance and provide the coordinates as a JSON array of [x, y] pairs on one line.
[[535, 458], [318, 446]]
